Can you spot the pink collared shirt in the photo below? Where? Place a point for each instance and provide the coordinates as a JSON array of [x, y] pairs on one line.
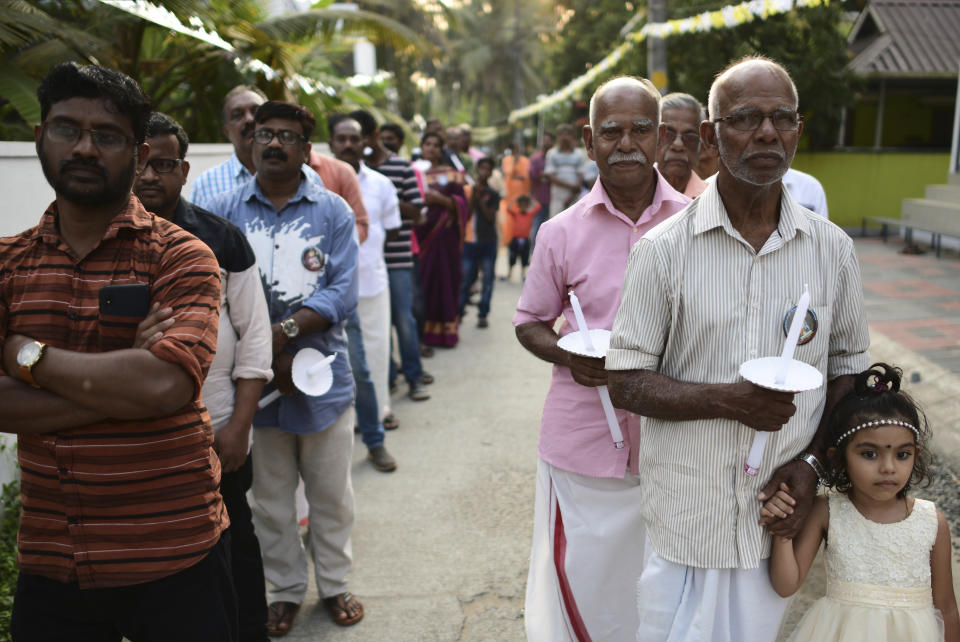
[[585, 249], [695, 186]]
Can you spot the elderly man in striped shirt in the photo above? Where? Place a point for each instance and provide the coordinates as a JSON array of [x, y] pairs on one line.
[[588, 531], [707, 290]]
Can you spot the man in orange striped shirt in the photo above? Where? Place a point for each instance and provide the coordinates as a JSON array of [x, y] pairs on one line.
[[123, 530]]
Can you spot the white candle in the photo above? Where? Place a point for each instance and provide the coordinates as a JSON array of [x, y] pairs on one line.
[[581, 322], [320, 365], [790, 345], [608, 412], [268, 399], [752, 467]]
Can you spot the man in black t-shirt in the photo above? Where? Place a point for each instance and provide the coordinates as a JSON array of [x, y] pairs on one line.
[[481, 254]]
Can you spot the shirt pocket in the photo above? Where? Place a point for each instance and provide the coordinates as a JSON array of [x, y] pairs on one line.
[[814, 342]]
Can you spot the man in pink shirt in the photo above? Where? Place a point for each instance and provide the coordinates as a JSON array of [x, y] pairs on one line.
[[588, 532]]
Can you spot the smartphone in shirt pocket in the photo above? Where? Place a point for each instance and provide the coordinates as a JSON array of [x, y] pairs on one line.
[[122, 308]]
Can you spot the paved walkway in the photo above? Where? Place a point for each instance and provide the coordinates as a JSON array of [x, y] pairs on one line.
[[441, 545]]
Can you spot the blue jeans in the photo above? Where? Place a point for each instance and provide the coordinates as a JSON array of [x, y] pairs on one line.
[[539, 219], [368, 413], [482, 256], [401, 316]]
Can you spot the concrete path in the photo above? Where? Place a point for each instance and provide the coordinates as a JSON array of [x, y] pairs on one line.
[[441, 545]]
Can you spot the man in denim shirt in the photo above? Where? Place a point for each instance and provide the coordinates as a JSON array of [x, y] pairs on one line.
[[306, 246]]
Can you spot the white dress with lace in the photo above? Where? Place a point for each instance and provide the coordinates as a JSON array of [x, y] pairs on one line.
[[878, 579]]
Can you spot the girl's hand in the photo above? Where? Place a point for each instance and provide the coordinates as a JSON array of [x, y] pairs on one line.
[[780, 505]]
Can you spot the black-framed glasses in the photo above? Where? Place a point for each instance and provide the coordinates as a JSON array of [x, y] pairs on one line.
[[285, 136], [747, 120], [106, 140], [691, 140], [164, 165]]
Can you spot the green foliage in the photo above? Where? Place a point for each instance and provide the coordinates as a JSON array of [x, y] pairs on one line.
[[184, 77], [9, 523], [808, 42]]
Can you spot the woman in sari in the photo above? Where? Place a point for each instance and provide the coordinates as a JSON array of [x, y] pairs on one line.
[[440, 238]]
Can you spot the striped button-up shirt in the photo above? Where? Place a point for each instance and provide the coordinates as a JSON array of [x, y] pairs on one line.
[[697, 302], [116, 503]]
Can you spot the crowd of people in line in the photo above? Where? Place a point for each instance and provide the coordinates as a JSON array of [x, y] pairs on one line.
[[166, 359]]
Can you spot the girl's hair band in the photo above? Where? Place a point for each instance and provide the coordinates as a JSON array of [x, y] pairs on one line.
[[879, 422]]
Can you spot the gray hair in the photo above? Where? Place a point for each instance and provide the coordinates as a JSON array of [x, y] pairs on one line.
[[713, 100], [635, 81], [679, 100]]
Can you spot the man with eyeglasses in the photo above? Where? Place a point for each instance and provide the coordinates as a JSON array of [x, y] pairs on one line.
[[588, 493], [712, 288], [306, 247], [678, 147], [123, 531], [242, 365], [239, 106]]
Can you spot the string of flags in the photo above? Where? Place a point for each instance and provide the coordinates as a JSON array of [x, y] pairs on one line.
[[725, 18]]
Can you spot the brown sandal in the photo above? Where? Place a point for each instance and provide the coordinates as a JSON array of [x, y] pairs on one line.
[[340, 608], [280, 618]]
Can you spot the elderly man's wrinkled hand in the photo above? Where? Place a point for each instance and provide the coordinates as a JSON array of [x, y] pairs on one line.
[[799, 477], [588, 371], [760, 408]]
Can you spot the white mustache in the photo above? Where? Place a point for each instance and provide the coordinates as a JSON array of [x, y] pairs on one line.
[[632, 157]]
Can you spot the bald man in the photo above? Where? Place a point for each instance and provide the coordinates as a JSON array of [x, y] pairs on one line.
[[711, 288], [588, 530]]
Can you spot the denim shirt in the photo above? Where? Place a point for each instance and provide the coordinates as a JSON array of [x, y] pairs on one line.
[[307, 255]]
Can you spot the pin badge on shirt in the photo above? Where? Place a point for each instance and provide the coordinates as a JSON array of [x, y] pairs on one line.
[[313, 259], [810, 325]]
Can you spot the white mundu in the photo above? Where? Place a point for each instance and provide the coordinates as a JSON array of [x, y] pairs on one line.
[[575, 594]]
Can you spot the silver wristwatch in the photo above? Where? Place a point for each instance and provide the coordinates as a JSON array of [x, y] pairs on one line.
[[818, 468], [290, 328]]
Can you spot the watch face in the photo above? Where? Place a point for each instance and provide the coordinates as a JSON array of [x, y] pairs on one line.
[[28, 354]]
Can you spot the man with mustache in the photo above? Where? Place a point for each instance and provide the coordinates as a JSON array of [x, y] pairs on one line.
[[678, 151], [123, 531], [306, 248], [588, 532], [707, 290], [239, 106], [242, 365]]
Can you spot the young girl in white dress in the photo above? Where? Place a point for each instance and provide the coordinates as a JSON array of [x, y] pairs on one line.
[[888, 555]]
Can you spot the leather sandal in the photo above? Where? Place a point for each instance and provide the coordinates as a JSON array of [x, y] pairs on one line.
[[280, 618], [344, 609]]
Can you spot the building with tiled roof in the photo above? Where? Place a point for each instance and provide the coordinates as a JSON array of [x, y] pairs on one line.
[[907, 55]]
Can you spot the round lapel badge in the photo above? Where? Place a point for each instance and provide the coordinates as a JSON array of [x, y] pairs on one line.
[[312, 259], [810, 325]]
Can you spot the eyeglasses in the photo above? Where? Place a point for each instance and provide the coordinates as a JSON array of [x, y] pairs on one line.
[[691, 140], [164, 165], [285, 136], [747, 120], [107, 141]]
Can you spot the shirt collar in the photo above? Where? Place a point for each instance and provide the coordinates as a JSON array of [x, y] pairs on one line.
[[183, 215], [307, 190], [598, 197], [237, 169], [133, 216], [712, 213]]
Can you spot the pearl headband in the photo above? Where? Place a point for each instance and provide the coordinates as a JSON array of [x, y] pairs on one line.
[[879, 422]]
